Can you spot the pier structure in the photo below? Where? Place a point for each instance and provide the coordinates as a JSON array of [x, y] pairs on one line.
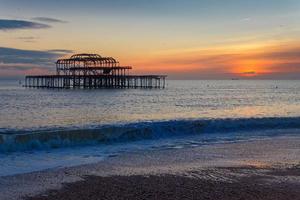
[[93, 71]]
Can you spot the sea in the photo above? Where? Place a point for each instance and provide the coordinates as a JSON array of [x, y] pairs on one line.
[[54, 128]]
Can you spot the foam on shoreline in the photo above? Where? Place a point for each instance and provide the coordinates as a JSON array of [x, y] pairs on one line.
[[275, 152]]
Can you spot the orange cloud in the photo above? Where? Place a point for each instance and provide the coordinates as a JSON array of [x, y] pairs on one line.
[[241, 61], [257, 61]]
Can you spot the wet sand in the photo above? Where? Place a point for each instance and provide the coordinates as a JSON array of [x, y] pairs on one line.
[[259, 184], [260, 169]]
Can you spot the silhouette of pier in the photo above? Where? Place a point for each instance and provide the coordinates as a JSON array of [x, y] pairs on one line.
[[93, 71]]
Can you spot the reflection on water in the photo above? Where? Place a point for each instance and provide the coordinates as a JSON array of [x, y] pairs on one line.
[[33, 108]]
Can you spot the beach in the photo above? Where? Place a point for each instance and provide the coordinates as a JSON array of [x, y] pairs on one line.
[[258, 169], [253, 187]]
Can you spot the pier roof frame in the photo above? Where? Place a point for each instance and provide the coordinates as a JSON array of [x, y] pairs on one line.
[[90, 64], [88, 60]]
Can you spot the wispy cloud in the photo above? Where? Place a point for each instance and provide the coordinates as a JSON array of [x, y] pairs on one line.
[[48, 20], [17, 66], [247, 19], [26, 38], [11, 55], [64, 51], [30, 39], [261, 62], [9, 24], [283, 54], [19, 61]]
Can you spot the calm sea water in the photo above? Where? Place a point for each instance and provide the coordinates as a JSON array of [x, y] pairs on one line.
[[23, 108], [69, 127]]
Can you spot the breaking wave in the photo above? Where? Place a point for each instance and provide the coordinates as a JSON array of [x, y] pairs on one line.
[[22, 140]]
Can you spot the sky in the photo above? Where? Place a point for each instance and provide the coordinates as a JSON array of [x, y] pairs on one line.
[[184, 39]]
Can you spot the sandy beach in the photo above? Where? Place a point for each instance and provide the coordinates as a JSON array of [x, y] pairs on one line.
[[257, 184], [259, 169]]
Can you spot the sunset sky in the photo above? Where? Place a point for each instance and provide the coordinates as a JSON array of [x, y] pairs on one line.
[[186, 39]]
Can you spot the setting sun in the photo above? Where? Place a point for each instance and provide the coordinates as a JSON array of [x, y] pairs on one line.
[[250, 68]]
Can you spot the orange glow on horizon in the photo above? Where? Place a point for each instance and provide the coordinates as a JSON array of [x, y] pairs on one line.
[[249, 68], [244, 61]]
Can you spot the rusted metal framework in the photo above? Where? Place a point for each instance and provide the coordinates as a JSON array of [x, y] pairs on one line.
[[90, 64], [93, 71]]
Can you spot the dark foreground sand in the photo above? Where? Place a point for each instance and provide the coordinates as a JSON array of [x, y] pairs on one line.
[[237, 183], [260, 169]]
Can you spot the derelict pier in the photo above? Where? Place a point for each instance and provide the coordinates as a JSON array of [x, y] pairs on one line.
[[93, 71]]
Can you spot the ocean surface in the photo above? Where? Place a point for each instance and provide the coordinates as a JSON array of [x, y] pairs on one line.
[[51, 128]]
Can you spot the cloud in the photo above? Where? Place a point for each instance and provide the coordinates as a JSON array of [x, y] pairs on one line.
[[249, 73], [9, 24], [247, 19], [290, 53], [60, 51], [286, 66], [260, 62], [27, 39], [11, 55], [21, 61], [18, 66], [48, 20]]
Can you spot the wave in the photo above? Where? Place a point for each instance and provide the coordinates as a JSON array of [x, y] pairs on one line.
[[22, 140]]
